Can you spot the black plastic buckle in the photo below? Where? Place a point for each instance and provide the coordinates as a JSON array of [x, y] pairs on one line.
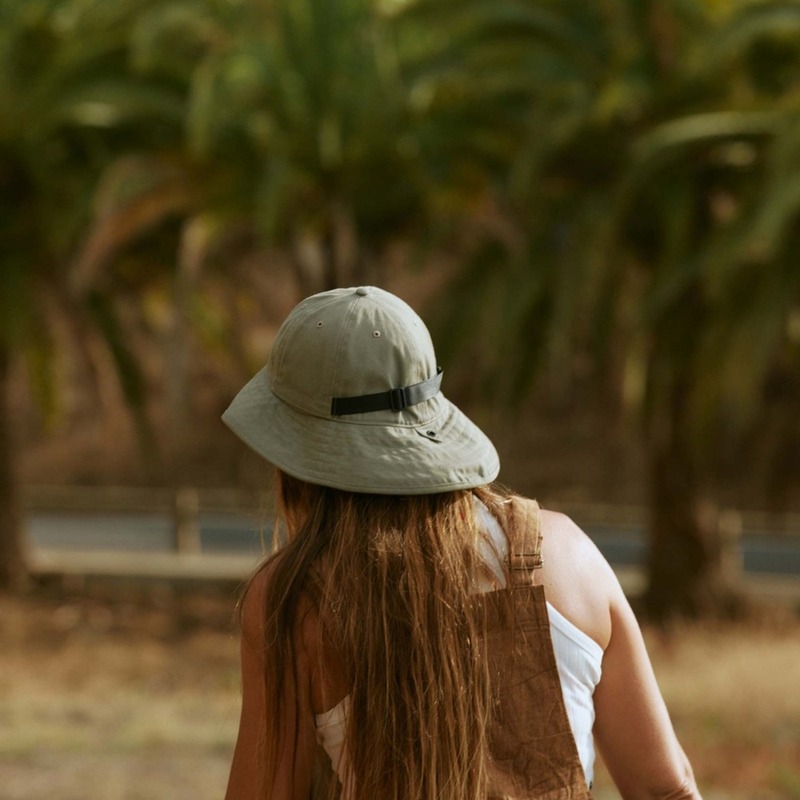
[[397, 399]]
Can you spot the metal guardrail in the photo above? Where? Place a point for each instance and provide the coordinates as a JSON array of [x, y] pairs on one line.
[[186, 502], [187, 509], [139, 499]]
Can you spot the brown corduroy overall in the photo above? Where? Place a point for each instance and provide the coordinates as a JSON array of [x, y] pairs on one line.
[[534, 756], [533, 752]]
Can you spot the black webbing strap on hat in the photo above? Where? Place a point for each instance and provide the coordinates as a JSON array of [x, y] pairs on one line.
[[394, 399]]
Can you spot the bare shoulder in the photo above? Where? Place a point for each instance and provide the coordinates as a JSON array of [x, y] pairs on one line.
[[253, 610], [563, 538], [578, 580]]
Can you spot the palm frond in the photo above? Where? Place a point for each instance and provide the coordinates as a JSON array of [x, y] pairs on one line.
[[753, 22], [135, 195]]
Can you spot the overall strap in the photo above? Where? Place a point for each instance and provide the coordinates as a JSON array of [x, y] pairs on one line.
[[531, 744], [524, 542]]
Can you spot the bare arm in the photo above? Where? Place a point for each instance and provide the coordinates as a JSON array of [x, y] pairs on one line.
[[633, 730], [248, 779]]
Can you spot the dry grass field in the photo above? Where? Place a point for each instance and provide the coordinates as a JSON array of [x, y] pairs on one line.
[[135, 697]]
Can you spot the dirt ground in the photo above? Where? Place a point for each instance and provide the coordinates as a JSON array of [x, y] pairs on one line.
[[135, 696]]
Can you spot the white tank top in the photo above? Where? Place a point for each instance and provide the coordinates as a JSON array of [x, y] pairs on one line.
[[578, 657]]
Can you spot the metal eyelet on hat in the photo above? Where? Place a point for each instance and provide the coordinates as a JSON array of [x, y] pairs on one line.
[[376, 334], [320, 324], [430, 434]]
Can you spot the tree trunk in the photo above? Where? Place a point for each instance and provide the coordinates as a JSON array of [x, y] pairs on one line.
[[690, 573], [13, 572], [330, 267], [192, 248]]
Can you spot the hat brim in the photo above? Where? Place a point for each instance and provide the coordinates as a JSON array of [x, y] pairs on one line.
[[440, 450]]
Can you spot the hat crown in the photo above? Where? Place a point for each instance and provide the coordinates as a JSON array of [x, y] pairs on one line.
[[356, 343], [346, 343]]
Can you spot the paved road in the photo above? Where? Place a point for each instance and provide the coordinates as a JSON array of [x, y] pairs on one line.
[[761, 552]]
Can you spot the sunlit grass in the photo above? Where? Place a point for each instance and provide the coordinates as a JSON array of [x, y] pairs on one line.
[[125, 703]]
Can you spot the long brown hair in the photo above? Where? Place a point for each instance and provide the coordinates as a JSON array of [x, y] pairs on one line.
[[393, 577]]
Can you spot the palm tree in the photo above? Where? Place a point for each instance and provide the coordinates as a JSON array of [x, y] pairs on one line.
[[336, 129], [653, 215], [332, 131], [715, 199], [68, 103]]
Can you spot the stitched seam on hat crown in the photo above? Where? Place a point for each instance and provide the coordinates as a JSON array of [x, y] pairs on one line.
[[354, 301], [299, 315], [398, 315], [393, 308]]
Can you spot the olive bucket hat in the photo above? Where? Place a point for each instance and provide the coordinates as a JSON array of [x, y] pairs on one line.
[[350, 398]]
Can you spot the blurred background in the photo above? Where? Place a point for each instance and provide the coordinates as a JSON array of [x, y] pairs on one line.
[[594, 206]]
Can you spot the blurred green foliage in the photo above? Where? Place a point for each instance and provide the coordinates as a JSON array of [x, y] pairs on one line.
[[615, 180]]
